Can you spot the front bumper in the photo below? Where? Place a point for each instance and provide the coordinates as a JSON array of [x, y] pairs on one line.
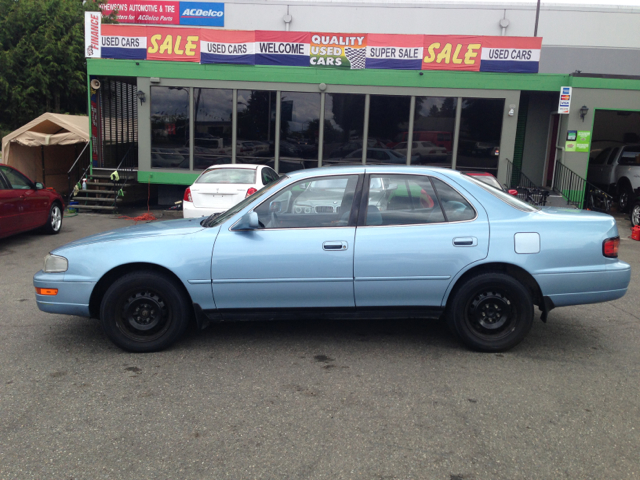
[[72, 298]]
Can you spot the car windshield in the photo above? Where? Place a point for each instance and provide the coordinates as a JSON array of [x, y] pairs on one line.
[[217, 219], [507, 198], [228, 175]]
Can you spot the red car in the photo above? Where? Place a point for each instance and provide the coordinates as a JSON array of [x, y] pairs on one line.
[[25, 205]]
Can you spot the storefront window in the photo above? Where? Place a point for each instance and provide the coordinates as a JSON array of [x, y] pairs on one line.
[[433, 131], [213, 111], [388, 122], [256, 127], [169, 127], [299, 127], [343, 128], [480, 132]]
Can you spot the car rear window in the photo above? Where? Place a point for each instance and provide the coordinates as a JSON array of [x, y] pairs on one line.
[[228, 175], [507, 198], [630, 156], [489, 180]]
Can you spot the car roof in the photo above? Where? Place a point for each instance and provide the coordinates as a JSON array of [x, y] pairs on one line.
[[378, 169]]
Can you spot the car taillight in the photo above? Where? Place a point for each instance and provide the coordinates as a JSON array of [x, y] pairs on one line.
[[187, 195], [496, 152], [250, 192], [610, 247]]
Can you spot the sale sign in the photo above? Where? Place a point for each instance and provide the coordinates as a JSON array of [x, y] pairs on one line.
[[398, 52], [177, 44]]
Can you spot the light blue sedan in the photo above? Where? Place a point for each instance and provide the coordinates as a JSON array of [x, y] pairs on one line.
[[343, 242]]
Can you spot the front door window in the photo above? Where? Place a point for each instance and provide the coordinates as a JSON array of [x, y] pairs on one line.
[[312, 203]]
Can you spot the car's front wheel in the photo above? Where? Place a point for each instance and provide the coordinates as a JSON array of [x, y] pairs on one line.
[[54, 222], [491, 312], [144, 311]]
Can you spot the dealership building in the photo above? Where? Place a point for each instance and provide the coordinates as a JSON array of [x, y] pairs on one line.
[[178, 86]]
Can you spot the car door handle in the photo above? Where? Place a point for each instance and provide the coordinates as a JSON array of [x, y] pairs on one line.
[[334, 245], [465, 242]]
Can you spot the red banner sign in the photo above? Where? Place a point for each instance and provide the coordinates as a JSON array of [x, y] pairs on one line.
[[152, 12]]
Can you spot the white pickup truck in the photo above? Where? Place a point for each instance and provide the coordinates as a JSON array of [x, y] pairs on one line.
[[616, 170]]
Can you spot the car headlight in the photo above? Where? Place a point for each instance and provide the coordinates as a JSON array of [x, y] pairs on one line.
[[55, 264]]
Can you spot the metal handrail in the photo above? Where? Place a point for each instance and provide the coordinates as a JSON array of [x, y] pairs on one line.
[[578, 191], [527, 190], [516, 178], [70, 191]]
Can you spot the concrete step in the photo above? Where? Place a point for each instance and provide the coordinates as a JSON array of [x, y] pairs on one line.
[[104, 192], [94, 207], [95, 199]]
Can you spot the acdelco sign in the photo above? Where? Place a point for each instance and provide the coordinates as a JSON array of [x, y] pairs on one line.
[[198, 13]]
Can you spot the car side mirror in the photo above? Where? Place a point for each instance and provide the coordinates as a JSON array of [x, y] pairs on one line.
[[249, 221], [39, 186]]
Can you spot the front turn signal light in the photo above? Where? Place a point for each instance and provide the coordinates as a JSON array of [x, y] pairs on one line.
[[46, 291]]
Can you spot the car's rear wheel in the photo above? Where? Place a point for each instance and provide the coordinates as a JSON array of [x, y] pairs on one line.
[[54, 222], [625, 194], [144, 311], [491, 312], [635, 214]]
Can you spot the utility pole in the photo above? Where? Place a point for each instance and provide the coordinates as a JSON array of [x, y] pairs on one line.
[[535, 30]]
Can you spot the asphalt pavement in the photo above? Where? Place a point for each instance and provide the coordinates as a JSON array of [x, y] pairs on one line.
[[314, 399]]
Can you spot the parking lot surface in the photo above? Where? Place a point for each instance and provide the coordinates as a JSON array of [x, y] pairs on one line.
[[314, 399]]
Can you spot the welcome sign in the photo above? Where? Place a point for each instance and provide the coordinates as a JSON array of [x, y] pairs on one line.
[[320, 50]]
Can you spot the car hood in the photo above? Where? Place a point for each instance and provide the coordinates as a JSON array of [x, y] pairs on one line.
[[183, 226]]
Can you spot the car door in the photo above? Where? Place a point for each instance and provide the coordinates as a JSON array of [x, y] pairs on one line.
[[33, 204], [302, 257], [10, 217], [411, 242]]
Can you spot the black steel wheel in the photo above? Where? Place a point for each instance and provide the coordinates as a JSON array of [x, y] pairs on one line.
[[144, 311], [491, 312], [54, 221], [635, 214]]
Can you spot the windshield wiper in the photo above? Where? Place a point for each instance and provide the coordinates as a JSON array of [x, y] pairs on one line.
[[205, 222]]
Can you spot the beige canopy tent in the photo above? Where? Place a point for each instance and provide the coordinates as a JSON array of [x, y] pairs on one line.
[[46, 148]]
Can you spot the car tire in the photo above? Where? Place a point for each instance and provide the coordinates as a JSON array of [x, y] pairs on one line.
[[625, 195], [491, 312], [634, 216], [144, 311], [54, 220]]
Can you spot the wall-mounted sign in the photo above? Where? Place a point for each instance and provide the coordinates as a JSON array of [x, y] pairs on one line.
[[327, 50], [570, 147], [572, 135], [92, 34], [564, 104], [338, 50], [160, 12], [583, 142]]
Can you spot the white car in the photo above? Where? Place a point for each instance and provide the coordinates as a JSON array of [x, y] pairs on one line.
[[220, 187]]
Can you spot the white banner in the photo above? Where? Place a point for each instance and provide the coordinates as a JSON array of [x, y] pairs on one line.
[[92, 22]]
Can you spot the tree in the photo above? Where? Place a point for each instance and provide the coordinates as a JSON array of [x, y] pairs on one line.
[[42, 64]]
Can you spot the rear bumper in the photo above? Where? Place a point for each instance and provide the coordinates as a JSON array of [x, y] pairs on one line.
[[581, 288], [190, 211], [72, 297]]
